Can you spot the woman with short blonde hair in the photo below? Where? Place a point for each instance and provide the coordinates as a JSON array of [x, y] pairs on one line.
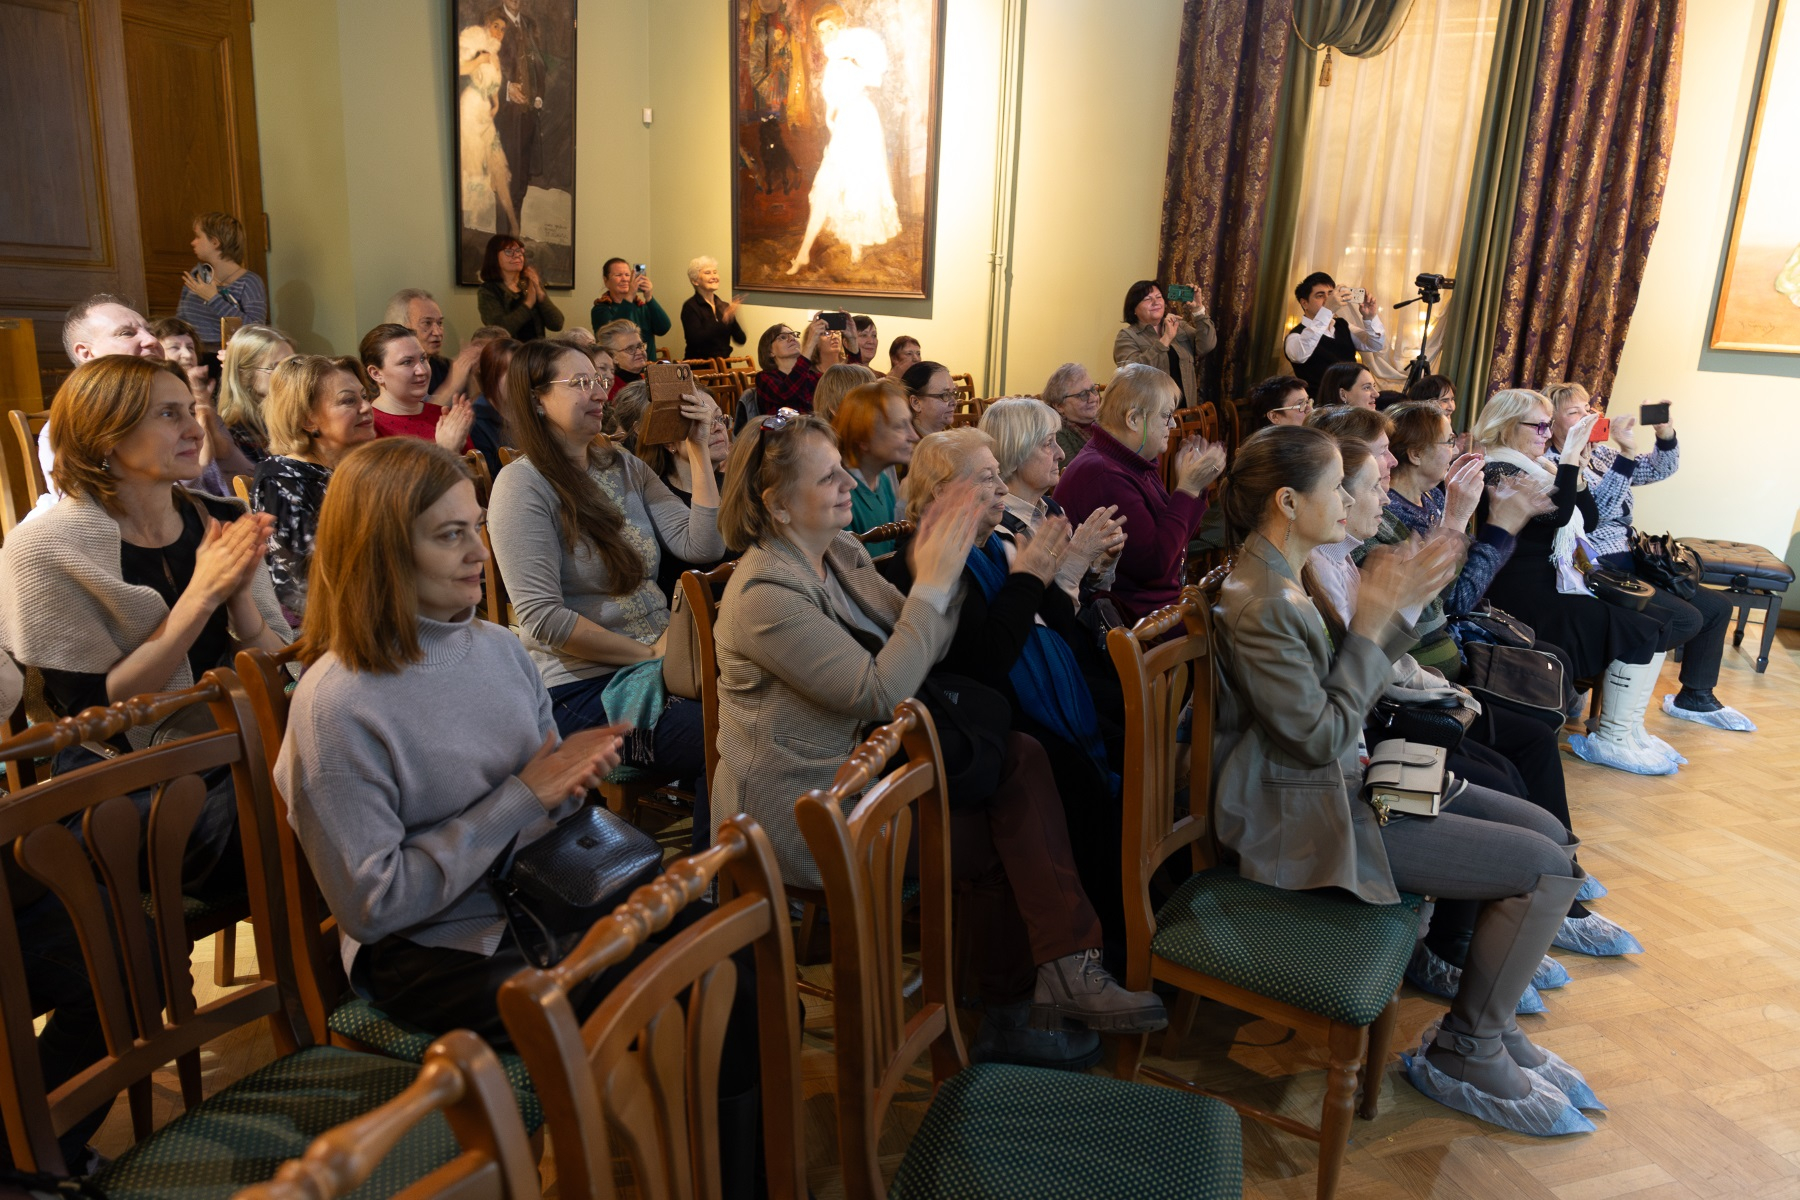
[[835, 384], [237, 436], [937, 459], [709, 324], [319, 409]]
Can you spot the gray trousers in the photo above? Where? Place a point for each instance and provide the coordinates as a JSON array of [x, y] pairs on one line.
[[1485, 846]]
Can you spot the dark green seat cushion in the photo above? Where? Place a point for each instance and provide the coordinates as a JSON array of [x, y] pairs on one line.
[[244, 1133], [1001, 1131], [367, 1025], [1324, 952]]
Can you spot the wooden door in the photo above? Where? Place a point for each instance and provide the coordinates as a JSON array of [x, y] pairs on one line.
[[193, 132], [68, 195]]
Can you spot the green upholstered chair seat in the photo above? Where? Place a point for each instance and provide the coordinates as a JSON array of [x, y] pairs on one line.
[[367, 1025], [242, 1134], [1002, 1131], [1324, 952]]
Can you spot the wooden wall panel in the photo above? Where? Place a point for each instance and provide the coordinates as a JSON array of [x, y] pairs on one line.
[[68, 199], [193, 123]]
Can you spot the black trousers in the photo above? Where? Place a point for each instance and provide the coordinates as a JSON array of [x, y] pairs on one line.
[[1697, 625]]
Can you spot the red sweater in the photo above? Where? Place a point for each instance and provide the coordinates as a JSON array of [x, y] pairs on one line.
[[422, 424], [1158, 525]]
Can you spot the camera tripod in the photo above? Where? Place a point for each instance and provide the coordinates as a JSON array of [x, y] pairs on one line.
[[1420, 366]]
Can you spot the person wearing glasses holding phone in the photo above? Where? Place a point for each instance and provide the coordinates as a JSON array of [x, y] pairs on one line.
[[1542, 585], [1158, 338], [512, 296], [1072, 392], [1697, 623], [788, 376], [630, 297]]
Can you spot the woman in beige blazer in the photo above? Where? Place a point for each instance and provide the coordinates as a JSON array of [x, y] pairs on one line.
[[1289, 743], [813, 647], [1158, 338]]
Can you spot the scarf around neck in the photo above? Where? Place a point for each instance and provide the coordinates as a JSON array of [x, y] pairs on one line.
[[1570, 580]]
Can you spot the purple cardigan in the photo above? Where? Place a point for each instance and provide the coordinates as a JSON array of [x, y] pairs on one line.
[[1158, 524]]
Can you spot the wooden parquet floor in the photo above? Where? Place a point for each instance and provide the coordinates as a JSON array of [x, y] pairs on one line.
[[1694, 1044]]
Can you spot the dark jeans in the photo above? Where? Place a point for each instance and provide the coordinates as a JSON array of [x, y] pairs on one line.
[[677, 742], [1026, 904], [1698, 626]]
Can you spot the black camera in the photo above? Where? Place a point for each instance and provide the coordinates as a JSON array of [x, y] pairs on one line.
[[1429, 286]]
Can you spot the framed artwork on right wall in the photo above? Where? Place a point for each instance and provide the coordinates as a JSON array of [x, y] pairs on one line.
[[1759, 296]]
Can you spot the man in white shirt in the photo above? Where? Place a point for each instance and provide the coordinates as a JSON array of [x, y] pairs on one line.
[[1323, 338]]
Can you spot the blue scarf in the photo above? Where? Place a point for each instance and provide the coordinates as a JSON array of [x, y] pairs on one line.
[[1046, 678]]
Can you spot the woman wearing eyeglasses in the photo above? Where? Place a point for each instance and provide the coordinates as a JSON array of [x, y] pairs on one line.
[[788, 376], [1280, 400], [1119, 466], [579, 529], [1542, 584], [512, 296], [931, 395], [1072, 392]]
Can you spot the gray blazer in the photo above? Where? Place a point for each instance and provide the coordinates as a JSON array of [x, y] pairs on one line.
[[1286, 733], [797, 688], [1143, 344]]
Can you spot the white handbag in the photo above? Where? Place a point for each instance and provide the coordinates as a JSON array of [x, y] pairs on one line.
[[1409, 778]]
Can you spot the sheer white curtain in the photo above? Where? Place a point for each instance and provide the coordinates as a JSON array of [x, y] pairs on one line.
[[1389, 149]]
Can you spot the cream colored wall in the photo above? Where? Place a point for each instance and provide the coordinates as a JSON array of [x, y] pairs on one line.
[[357, 130], [1738, 414], [1091, 154]]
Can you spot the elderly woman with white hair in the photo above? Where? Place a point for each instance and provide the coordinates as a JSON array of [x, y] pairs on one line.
[[1073, 393], [1016, 631], [709, 324], [1028, 447]]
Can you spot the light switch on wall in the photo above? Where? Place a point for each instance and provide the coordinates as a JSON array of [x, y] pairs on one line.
[[646, 116]]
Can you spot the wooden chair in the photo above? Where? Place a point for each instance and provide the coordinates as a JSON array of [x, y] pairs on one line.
[[228, 1139], [1324, 965], [738, 362], [241, 484], [462, 1080], [965, 386], [702, 364], [890, 532], [662, 355], [639, 1077], [25, 429], [507, 455], [334, 1015], [1189, 422], [991, 1130], [495, 606], [475, 463], [723, 386]]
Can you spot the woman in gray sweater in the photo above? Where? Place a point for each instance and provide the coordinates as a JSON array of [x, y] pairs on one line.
[[579, 527]]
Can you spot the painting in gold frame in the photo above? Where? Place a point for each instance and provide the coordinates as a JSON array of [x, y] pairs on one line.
[[1759, 298]]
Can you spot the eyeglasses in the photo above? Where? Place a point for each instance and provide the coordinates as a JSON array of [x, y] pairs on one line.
[[787, 333], [1304, 406], [1086, 393], [513, 251], [581, 383], [937, 395], [1542, 427], [633, 348]]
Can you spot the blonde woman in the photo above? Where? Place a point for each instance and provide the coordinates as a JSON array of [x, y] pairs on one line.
[[237, 437]]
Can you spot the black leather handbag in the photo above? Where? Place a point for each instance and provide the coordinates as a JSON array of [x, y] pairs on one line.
[[1528, 682], [1491, 625], [1442, 725], [972, 721], [1615, 587], [558, 886], [1666, 563]]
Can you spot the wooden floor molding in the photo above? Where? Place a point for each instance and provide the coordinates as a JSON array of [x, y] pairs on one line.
[[1695, 1044]]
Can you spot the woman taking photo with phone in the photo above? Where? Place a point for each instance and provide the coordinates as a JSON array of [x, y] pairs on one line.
[[1289, 729], [1696, 622], [1158, 338]]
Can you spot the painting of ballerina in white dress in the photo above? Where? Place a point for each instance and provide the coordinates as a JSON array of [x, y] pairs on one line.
[[835, 159], [1759, 296]]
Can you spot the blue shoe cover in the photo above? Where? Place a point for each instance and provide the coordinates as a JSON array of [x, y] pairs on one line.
[[1656, 745], [1546, 1112], [1431, 974], [1565, 1079], [1550, 975], [1591, 889], [1435, 977], [1620, 758], [1726, 718], [1595, 936]]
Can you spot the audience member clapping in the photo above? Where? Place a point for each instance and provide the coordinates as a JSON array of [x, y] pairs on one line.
[[709, 323], [237, 437], [812, 645], [876, 438], [181, 346], [512, 295], [318, 411], [1118, 468], [903, 352], [397, 366], [220, 287]]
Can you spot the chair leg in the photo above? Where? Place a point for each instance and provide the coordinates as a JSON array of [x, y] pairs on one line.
[[809, 923], [1771, 618], [1381, 1038], [225, 956], [1743, 618], [1181, 1022], [187, 1069], [1128, 1054], [1347, 1045]]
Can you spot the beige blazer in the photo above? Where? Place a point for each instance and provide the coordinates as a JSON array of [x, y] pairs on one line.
[[1142, 344], [797, 688], [1286, 734]]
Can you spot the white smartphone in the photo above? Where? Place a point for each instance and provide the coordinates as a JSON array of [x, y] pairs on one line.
[[1358, 297]]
